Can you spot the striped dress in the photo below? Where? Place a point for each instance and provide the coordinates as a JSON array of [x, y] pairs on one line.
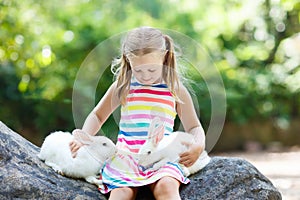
[[143, 104]]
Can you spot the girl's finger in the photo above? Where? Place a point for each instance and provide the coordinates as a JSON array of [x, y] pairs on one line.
[[184, 160], [74, 154], [184, 154], [188, 164]]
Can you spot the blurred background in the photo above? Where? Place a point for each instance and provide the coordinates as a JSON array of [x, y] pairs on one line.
[[255, 44]]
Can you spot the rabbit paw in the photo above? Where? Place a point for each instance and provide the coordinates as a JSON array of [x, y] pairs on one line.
[[59, 171], [94, 180], [158, 165], [55, 167]]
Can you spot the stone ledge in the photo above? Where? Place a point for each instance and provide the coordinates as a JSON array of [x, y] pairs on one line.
[[24, 176]]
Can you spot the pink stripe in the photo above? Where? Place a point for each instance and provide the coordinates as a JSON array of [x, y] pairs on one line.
[[167, 93], [172, 170], [129, 142], [145, 116], [133, 150], [116, 172], [167, 167], [133, 165]]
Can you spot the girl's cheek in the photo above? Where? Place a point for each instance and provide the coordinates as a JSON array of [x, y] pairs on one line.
[[135, 74], [159, 73]]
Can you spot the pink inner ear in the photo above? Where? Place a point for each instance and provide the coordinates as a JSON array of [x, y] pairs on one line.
[[152, 128], [159, 134]]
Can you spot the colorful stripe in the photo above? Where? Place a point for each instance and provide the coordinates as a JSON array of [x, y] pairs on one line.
[[140, 133], [132, 142], [155, 85], [149, 99], [149, 108], [134, 125], [148, 91], [145, 116]]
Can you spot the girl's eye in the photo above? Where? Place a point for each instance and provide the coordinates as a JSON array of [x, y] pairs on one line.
[[137, 70], [151, 70]]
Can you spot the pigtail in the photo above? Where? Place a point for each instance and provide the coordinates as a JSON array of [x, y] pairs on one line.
[[123, 76], [169, 71]]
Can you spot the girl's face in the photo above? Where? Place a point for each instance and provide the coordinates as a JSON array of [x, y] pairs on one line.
[[147, 68]]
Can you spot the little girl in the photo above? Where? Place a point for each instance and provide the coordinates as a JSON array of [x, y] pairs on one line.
[[147, 86]]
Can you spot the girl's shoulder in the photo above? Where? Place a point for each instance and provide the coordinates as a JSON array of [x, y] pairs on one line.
[[112, 91], [113, 87], [180, 87], [181, 91]]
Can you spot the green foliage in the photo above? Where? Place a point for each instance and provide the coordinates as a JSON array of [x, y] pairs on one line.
[[254, 44]]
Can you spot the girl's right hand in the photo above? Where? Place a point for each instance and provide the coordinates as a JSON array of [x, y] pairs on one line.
[[74, 146]]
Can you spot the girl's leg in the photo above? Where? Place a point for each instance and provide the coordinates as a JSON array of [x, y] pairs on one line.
[[166, 188], [125, 193]]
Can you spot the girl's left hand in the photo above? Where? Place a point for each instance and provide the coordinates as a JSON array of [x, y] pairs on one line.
[[189, 157]]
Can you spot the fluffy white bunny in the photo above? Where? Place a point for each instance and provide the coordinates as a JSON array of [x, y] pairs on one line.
[[55, 151], [160, 149]]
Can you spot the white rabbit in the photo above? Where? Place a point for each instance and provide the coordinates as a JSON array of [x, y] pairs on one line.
[[55, 151], [160, 149]]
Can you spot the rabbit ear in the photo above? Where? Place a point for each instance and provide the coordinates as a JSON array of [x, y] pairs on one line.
[[154, 124], [82, 137], [159, 134], [156, 131]]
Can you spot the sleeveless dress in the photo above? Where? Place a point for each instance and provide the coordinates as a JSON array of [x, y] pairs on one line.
[[143, 104]]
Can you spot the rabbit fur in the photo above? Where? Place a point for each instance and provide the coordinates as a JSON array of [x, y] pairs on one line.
[[160, 149], [56, 153]]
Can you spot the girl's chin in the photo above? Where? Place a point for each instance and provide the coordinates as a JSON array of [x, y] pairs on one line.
[[148, 82]]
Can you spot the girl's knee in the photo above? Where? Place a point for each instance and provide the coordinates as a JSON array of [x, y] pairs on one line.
[[168, 182], [166, 186], [123, 193]]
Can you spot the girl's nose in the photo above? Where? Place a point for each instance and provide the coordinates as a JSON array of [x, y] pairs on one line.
[[146, 76]]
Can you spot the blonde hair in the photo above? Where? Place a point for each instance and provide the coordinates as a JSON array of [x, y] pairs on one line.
[[138, 42]]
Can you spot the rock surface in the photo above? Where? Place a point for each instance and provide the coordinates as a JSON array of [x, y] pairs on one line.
[[24, 176]]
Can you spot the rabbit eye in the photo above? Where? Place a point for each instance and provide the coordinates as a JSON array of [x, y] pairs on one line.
[[104, 144], [148, 152]]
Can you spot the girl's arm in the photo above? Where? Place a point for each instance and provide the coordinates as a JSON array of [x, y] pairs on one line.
[[102, 111], [191, 124], [98, 116]]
